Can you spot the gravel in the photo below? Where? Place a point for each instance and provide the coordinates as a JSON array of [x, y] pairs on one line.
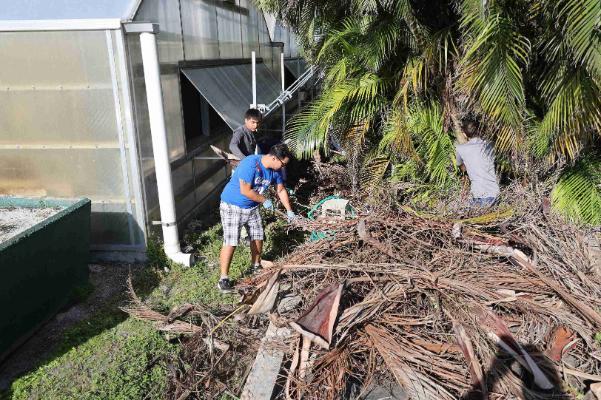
[[15, 220]]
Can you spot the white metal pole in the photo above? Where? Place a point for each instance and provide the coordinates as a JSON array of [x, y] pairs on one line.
[[254, 78], [158, 131], [283, 90]]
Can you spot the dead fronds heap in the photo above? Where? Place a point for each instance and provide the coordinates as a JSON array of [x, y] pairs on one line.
[[217, 346], [498, 306]]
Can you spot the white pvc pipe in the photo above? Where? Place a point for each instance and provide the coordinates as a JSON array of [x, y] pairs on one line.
[[283, 90], [158, 131], [254, 78]]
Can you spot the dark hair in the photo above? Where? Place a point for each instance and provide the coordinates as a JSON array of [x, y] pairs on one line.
[[471, 128], [280, 151], [253, 113]]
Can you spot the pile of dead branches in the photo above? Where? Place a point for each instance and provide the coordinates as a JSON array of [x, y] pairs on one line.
[[501, 305], [217, 346]]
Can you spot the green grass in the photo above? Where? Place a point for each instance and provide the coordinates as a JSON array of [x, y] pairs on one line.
[[124, 362], [112, 356], [198, 284]]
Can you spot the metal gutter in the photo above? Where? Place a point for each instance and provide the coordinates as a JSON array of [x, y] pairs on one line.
[[60, 25]]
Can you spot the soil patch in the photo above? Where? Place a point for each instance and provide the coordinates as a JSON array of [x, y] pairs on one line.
[[14, 220]]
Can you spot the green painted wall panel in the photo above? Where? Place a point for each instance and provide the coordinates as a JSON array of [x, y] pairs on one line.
[[40, 267]]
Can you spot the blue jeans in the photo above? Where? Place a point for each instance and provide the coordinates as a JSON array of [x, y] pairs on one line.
[[483, 201]]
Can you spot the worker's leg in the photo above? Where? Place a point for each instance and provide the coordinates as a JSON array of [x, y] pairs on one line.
[[255, 231], [231, 222], [225, 259], [256, 247]]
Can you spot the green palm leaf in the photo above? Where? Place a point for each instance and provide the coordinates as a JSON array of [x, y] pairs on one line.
[[373, 170], [578, 192], [435, 147], [492, 76], [573, 114], [582, 31]]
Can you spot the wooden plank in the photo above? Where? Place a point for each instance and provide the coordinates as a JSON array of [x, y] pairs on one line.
[[264, 373]]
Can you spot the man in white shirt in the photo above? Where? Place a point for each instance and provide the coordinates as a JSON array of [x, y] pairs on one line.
[[477, 157]]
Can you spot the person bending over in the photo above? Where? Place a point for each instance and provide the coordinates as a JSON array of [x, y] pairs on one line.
[[240, 201], [476, 156]]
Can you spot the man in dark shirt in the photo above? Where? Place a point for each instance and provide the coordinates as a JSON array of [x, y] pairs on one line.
[[243, 141]]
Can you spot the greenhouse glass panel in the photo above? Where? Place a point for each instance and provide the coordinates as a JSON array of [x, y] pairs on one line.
[[166, 14], [151, 196], [281, 34], [183, 186], [59, 121], [296, 65], [250, 28], [203, 163], [169, 41], [228, 27], [122, 91], [111, 224], [228, 88], [139, 96], [276, 62], [294, 49], [36, 59], [92, 173], [171, 104], [267, 55], [210, 186], [37, 117], [199, 24]]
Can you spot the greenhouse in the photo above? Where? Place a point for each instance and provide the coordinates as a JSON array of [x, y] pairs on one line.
[[76, 90]]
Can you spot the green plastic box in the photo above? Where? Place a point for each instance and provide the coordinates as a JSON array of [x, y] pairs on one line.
[[41, 267]]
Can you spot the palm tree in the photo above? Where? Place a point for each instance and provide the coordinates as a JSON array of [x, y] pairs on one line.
[[399, 75]]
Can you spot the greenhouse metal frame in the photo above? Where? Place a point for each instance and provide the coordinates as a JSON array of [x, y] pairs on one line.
[[74, 119]]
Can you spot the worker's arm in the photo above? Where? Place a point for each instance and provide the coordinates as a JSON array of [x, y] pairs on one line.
[[247, 191], [459, 162], [235, 145], [283, 195]]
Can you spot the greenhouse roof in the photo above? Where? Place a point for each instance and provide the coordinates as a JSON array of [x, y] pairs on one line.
[[22, 13]]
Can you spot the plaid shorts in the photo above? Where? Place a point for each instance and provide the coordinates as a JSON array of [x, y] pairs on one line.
[[233, 218]]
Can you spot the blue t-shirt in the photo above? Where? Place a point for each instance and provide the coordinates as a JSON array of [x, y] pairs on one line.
[[252, 171]]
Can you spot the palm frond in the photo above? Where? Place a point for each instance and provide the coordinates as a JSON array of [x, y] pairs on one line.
[[574, 112], [491, 73], [373, 170], [433, 60], [435, 145], [582, 31], [353, 101], [405, 171], [396, 136], [354, 138], [578, 192]]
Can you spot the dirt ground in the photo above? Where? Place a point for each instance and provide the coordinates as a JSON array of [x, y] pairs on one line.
[[108, 281]]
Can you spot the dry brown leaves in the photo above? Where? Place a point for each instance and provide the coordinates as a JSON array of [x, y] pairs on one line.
[[449, 309]]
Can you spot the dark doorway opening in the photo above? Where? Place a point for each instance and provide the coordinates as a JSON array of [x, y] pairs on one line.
[[201, 121], [289, 77]]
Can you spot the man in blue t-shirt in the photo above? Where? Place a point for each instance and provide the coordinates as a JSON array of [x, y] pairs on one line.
[[240, 202]]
